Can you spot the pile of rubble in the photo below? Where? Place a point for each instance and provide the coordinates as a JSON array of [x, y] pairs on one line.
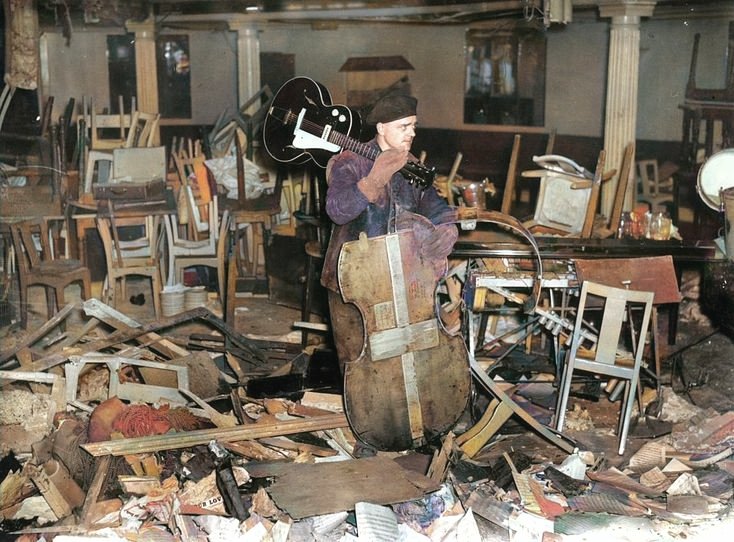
[[116, 431]]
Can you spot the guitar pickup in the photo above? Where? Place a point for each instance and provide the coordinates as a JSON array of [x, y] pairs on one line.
[[306, 140]]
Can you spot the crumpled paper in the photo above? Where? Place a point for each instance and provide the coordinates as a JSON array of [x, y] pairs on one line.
[[225, 173]]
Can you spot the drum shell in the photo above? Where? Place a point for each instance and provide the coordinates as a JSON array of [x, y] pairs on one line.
[[716, 174]]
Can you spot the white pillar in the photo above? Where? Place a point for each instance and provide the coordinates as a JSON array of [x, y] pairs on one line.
[[620, 123], [248, 62]]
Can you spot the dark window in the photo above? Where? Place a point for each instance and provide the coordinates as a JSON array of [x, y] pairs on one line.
[[174, 77], [505, 77]]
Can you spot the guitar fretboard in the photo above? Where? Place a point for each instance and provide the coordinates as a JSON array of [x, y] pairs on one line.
[[342, 140]]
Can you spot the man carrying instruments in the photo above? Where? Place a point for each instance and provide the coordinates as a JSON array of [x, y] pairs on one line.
[[374, 197]]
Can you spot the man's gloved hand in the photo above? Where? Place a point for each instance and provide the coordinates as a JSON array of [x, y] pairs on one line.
[[386, 165], [436, 242], [441, 242]]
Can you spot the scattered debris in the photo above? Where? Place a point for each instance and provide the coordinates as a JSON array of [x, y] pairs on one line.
[[247, 440]]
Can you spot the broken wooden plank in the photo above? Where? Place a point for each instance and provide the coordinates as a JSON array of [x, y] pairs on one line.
[[563, 442], [73, 337], [117, 320], [119, 336], [37, 334], [441, 459], [478, 435], [171, 441], [95, 488], [300, 447], [234, 337], [305, 489]]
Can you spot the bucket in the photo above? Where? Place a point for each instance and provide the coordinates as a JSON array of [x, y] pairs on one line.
[[195, 297], [172, 302], [727, 199]]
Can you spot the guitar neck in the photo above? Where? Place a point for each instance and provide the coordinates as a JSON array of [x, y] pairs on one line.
[[332, 136], [350, 144]]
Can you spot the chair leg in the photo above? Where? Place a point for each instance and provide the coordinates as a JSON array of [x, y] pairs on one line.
[[307, 298], [23, 305], [229, 302], [220, 281], [563, 391], [627, 413], [59, 303], [86, 292], [156, 285], [51, 296], [111, 288]]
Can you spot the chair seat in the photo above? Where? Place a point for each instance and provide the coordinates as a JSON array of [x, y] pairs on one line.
[[59, 266], [200, 245], [605, 368], [134, 244]]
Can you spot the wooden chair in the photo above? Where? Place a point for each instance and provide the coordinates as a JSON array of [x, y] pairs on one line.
[[132, 258], [656, 188], [36, 266], [257, 215], [612, 354], [143, 129], [195, 195], [102, 125], [656, 274], [209, 252], [567, 201], [510, 191], [208, 246]]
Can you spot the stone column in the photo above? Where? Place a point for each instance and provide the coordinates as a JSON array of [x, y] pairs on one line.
[[622, 76], [248, 62], [146, 71]]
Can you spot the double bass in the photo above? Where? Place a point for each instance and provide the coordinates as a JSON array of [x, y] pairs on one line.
[[412, 381], [413, 378]]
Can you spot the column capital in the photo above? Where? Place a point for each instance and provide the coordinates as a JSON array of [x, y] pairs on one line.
[[242, 23], [142, 29], [626, 9]]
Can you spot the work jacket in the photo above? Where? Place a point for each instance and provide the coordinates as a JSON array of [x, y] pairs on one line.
[[352, 213]]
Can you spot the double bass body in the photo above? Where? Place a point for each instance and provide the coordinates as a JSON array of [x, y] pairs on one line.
[[412, 381]]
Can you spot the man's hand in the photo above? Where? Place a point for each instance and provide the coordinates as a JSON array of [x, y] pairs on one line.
[[386, 165], [436, 242]]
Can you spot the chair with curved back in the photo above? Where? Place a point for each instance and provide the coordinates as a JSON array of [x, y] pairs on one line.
[[37, 267]]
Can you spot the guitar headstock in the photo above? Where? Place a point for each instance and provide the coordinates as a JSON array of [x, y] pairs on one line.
[[420, 174]]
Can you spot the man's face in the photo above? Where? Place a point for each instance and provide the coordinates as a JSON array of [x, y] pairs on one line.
[[397, 134]]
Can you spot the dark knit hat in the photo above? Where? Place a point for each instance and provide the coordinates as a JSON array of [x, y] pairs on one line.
[[392, 107]]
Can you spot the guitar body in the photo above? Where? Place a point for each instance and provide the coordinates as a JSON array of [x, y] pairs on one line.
[[295, 96], [303, 124], [412, 380]]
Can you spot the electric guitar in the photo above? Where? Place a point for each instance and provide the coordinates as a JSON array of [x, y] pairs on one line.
[[303, 124]]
